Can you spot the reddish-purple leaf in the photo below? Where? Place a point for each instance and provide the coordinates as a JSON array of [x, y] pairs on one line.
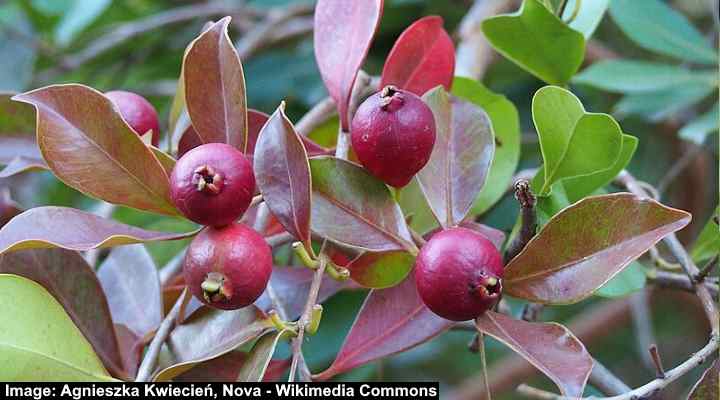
[[550, 347], [461, 158], [381, 270], [342, 37], [188, 141], [282, 174], [132, 286], [210, 333], [389, 322], [72, 282], [88, 145], [131, 347], [422, 58], [227, 367], [68, 228], [708, 386], [256, 121], [291, 286], [586, 245], [215, 87], [352, 207]]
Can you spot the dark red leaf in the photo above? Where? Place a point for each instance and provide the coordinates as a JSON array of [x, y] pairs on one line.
[[256, 121], [8, 207], [496, 236], [586, 245], [291, 285], [423, 57], [389, 322], [227, 367], [67, 276], [68, 228], [88, 145], [282, 174], [461, 158], [131, 347], [132, 286], [342, 37], [215, 88], [550, 347]]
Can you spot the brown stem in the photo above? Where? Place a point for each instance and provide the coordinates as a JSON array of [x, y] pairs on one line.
[[306, 317], [528, 219]]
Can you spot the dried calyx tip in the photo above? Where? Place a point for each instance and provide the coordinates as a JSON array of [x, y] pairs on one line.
[[208, 180], [388, 94]]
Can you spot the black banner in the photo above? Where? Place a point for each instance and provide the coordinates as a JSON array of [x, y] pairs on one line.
[[266, 390]]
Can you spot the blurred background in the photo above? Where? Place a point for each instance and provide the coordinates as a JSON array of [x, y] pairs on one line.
[[137, 45]]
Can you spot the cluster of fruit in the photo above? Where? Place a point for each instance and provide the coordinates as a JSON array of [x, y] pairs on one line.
[[458, 272]]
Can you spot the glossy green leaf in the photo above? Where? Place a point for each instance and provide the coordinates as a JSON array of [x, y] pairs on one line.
[[588, 17], [37, 229], [283, 175], [662, 104], [701, 127], [461, 158], [415, 206], [72, 282], [549, 347], [257, 362], [207, 334], [573, 142], [707, 245], [39, 340], [655, 26], [538, 41], [632, 76], [91, 148], [578, 187], [506, 127], [352, 207], [586, 245], [381, 270], [215, 87], [709, 384], [629, 280]]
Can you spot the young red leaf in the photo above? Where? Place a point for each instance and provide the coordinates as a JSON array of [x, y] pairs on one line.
[[215, 88], [227, 367], [132, 286], [381, 270], [550, 347], [210, 333], [131, 347], [389, 322], [283, 175], [496, 236], [88, 145], [22, 164], [423, 57], [291, 286], [37, 228], [461, 158], [707, 387], [342, 37], [256, 121], [586, 245], [72, 282], [352, 207]]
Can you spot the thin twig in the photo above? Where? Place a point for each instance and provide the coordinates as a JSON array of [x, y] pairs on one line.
[[306, 317], [678, 167], [528, 219], [603, 379], [256, 37], [481, 345], [703, 274], [657, 361], [672, 280], [640, 311], [147, 367]]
